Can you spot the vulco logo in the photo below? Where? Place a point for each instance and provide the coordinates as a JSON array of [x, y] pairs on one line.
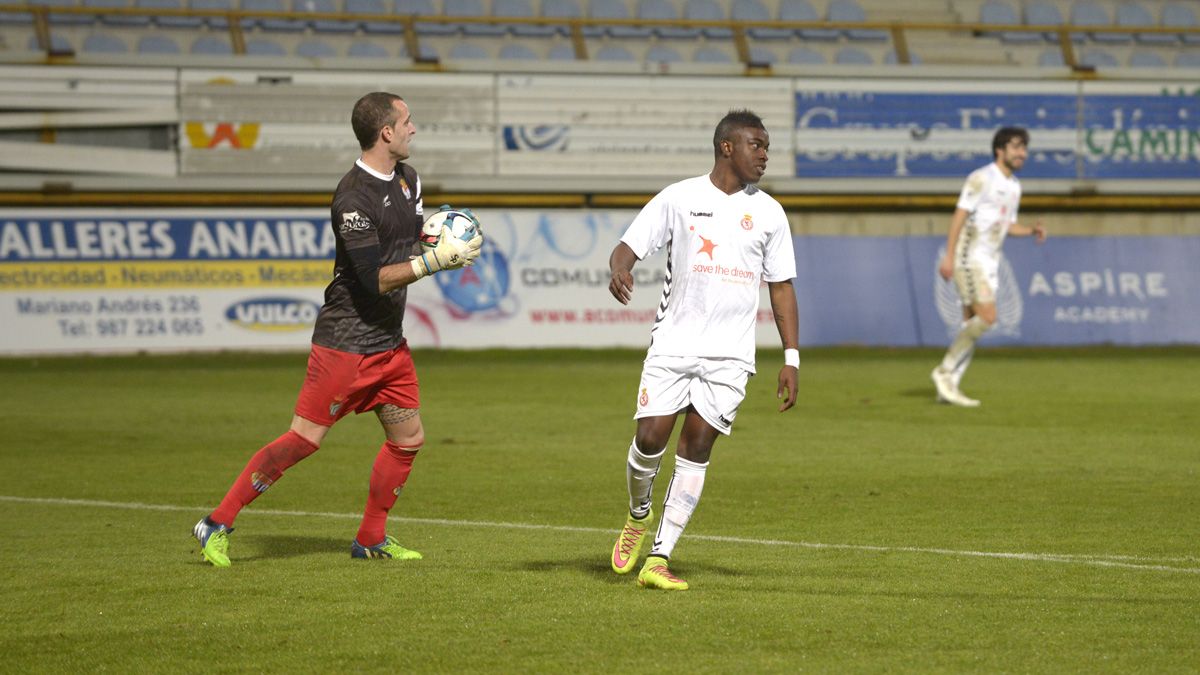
[[274, 314]]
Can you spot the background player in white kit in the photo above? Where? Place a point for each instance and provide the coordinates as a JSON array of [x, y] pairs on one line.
[[987, 211], [724, 238]]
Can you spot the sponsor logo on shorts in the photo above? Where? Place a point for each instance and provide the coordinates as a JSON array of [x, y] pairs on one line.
[[334, 408], [724, 420], [273, 314], [644, 399]]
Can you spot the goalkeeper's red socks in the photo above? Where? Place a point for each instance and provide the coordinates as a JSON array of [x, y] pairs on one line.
[[263, 469], [392, 466]]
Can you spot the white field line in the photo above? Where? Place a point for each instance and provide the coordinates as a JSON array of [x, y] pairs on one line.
[[1100, 560]]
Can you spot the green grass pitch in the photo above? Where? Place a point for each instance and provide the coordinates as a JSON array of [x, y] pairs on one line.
[[1055, 529]]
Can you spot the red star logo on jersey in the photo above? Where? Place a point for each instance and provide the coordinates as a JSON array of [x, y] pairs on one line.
[[706, 247]]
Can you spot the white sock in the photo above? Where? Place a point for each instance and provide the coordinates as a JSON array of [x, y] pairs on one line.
[[956, 375], [640, 471], [964, 343], [682, 496]]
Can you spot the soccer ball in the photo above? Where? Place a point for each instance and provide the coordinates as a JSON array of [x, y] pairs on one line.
[[461, 223]]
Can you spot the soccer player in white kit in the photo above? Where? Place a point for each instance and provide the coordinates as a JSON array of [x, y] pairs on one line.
[[724, 238], [986, 213]]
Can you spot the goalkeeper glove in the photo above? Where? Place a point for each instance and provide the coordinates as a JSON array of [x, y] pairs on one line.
[[451, 253]]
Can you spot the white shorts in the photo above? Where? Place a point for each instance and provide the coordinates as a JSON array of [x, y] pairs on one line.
[[714, 387], [976, 283]]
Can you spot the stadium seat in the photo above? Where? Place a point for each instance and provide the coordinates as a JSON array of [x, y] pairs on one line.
[[754, 10], [103, 43], [662, 54], [613, 9], [561, 52], [214, 5], [1144, 59], [1187, 60], [999, 12], [1045, 13], [1180, 15], [891, 58], [664, 10], [521, 9], [155, 43], [802, 10], [472, 9], [761, 56], [59, 44], [852, 56], [169, 21], [806, 56], [262, 46], [613, 53], [424, 8], [1051, 58], [707, 10], [1097, 58], [270, 23], [515, 51], [315, 49], [16, 18], [113, 19], [323, 7], [711, 54], [561, 9], [377, 7], [428, 52], [63, 19], [1091, 13], [849, 10], [468, 50], [1134, 15], [362, 49], [211, 45]]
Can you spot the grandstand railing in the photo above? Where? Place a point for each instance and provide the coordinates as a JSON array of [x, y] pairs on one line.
[[575, 26]]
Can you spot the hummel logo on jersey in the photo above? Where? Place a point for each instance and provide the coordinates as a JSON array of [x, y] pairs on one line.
[[353, 221], [701, 214], [387, 201]]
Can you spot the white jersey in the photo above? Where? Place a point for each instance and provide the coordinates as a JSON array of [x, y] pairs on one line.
[[990, 199], [720, 249]]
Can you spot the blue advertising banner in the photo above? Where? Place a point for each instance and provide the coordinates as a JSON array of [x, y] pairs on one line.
[[1070, 290], [1082, 132]]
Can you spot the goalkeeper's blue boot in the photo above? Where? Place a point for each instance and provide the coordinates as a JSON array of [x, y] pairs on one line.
[[214, 541], [388, 548]]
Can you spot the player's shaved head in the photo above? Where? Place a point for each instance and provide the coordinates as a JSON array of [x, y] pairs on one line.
[[736, 119], [372, 113]]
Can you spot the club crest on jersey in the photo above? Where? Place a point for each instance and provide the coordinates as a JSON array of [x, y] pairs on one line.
[[747, 222], [354, 222], [404, 189], [644, 399]]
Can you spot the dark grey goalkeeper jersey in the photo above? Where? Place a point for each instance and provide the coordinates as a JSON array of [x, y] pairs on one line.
[[369, 209]]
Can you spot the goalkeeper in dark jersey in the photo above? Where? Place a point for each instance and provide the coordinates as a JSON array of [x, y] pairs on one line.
[[360, 360]]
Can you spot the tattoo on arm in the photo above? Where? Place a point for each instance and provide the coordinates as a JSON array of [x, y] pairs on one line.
[[390, 414]]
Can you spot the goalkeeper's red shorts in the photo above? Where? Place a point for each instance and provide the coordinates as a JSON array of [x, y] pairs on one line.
[[339, 382]]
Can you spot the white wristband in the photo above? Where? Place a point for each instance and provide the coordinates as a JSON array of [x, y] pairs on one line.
[[791, 357]]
